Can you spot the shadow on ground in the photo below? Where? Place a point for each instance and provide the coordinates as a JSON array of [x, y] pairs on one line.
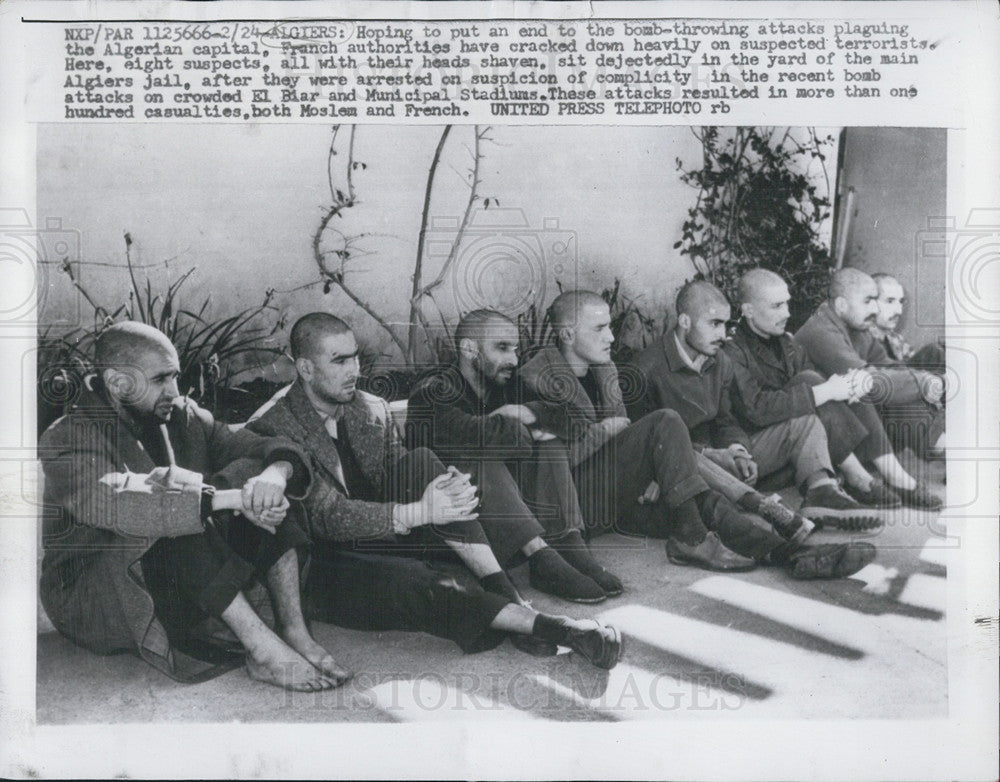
[[756, 645]]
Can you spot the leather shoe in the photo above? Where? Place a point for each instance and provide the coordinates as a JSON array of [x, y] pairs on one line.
[[920, 497], [878, 495], [710, 554], [536, 647], [601, 645], [830, 560]]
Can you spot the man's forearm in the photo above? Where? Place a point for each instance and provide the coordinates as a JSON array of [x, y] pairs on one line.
[[821, 394]]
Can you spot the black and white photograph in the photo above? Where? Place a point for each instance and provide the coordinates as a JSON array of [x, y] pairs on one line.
[[676, 357], [500, 425]]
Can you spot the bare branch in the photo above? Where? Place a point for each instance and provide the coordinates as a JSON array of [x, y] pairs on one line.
[[425, 325], [329, 162], [374, 315], [444, 324], [473, 196], [337, 277], [822, 160], [350, 166], [411, 354]]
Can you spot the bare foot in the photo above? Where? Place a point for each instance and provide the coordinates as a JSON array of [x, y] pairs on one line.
[[281, 665], [321, 659]]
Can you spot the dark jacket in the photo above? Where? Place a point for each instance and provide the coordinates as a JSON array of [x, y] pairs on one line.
[[834, 348], [701, 399], [571, 415], [445, 414], [763, 369], [375, 443], [94, 534]]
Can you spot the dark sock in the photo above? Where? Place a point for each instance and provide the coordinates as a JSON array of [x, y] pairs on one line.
[[688, 526], [499, 583], [548, 561], [552, 574], [575, 552], [550, 628]]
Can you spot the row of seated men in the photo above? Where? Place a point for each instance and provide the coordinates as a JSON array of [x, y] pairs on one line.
[[202, 546]]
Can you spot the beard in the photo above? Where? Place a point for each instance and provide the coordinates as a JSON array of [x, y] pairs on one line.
[[341, 398], [160, 414]]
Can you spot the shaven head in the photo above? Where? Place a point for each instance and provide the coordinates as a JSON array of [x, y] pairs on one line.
[[854, 298], [696, 295], [479, 324], [121, 344], [582, 324], [326, 359], [487, 343], [846, 281], [754, 282], [764, 301], [881, 277], [309, 331], [139, 369], [702, 315], [564, 311]]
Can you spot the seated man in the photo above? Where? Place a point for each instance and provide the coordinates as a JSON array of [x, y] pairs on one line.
[[642, 478], [686, 371], [891, 299], [774, 382], [381, 517], [144, 556], [472, 413], [838, 338]]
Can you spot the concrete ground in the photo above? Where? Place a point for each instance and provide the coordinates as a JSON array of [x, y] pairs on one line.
[[755, 645]]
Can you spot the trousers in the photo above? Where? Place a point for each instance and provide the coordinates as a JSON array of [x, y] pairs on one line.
[[658, 448], [654, 448], [800, 441], [548, 489], [505, 523], [916, 426], [721, 480], [415, 582], [401, 592], [845, 431], [193, 578]]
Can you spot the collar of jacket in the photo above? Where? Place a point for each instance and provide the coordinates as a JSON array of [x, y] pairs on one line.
[[93, 405], [760, 346], [676, 362], [825, 312], [358, 420], [554, 380]]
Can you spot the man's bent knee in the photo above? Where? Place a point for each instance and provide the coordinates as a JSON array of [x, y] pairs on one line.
[[667, 419]]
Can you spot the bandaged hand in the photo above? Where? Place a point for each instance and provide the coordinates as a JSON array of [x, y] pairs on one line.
[[174, 478]]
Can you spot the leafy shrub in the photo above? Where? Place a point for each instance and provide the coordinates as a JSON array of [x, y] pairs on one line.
[[758, 205], [210, 351]]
